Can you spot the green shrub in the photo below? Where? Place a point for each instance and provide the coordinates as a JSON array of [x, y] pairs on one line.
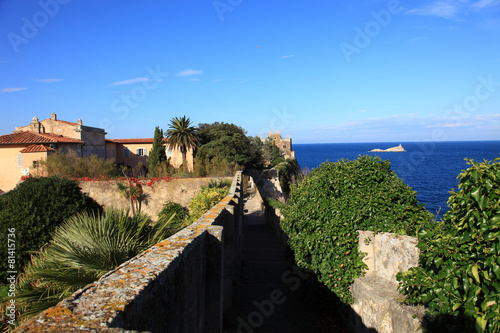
[[84, 248], [289, 173], [220, 183], [35, 208], [73, 166], [177, 215], [335, 200], [205, 200], [459, 274]]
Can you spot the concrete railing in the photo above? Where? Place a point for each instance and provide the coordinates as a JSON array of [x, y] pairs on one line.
[[377, 302], [182, 284]]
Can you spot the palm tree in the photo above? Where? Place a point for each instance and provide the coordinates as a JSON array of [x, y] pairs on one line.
[[82, 250], [182, 135]]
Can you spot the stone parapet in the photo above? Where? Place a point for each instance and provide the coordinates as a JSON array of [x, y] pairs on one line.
[[377, 302], [181, 284]]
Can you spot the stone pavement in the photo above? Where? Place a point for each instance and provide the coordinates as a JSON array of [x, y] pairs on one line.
[[274, 295]]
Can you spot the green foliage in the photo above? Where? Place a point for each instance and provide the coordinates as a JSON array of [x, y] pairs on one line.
[[271, 153], [182, 135], [157, 155], [459, 274], [289, 172], [174, 212], [221, 183], [325, 211], [35, 208], [228, 142], [216, 167], [205, 200], [83, 249], [73, 166]]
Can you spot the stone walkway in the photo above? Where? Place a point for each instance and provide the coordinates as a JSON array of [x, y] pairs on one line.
[[274, 296]]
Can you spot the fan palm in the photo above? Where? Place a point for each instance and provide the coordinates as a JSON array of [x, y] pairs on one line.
[[182, 135], [82, 250]]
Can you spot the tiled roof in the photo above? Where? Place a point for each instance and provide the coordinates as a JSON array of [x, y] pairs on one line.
[[31, 137], [37, 149], [148, 140]]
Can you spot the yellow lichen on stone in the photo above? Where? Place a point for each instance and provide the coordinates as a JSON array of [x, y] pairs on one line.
[[57, 312]]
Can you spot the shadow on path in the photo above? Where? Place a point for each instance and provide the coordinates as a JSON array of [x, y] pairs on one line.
[[274, 294]]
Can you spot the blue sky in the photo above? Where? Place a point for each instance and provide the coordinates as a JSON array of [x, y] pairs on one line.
[[319, 71]]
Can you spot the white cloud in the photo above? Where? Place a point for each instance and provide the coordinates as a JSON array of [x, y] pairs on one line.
[[489, 117], [451, 9], [132, 81], [481, 4], [48, 80], [194, 80], [444, 8], [8, 90], [288, 56], [189, 72]]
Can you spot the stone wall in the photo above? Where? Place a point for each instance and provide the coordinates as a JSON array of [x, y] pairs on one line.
[[181, 190], [376, 298], [182, 284], [268, 183]]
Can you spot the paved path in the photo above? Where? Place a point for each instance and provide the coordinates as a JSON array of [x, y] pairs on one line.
[[274, 296]]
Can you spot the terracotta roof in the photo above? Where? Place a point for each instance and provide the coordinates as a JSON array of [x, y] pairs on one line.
[[31, 137], [37, 149], [148, 140]]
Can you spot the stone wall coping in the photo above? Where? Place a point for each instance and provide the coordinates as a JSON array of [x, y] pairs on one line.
[[101, 304]]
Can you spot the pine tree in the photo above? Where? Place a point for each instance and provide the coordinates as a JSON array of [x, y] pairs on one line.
[[157, 155]]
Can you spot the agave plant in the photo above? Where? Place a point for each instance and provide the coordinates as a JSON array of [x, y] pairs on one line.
[[82, 250]]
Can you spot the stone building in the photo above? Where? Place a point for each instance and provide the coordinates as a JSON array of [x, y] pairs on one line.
[[21, 151], [285, 145]]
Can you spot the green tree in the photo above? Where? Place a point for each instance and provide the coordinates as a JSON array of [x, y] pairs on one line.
[[157, 155], [335, 200], [458, 278], [182, 135], [229, 142], [34, 209]]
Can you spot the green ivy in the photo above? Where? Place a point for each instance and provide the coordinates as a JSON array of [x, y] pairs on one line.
[[335, 200], [458, 278]]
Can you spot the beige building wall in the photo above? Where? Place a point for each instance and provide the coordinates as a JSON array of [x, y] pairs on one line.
[[130, 153], [176, 157], [12, 162]]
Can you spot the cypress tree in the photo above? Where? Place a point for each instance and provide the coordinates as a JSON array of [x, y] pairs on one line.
[[157, 154]]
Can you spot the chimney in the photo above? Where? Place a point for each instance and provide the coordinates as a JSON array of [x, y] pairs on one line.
[[53, 116], [35, 125]]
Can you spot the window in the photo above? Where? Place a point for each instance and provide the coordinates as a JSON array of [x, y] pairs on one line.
[[85, 151], [112, 152], [20, 160], [126, 152], [107, 153], [284, 146], [92, 150], [35, 164], [140, 152]]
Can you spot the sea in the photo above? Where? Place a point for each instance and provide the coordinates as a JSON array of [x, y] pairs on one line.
[[429, 168]]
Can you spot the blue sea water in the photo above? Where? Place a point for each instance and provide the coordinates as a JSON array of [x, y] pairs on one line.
[[430, 168]]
